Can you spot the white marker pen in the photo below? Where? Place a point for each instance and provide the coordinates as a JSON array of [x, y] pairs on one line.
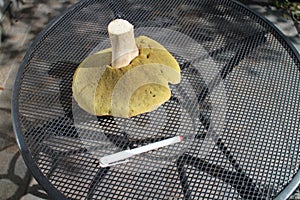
[[121, 157]]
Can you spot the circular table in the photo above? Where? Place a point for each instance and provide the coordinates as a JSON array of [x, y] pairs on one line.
[[237, 107]]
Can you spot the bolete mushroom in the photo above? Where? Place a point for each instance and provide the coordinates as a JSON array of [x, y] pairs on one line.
[[128, 79]]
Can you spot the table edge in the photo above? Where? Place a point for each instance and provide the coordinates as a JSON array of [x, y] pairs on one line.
[[295, 182], [52, 191]]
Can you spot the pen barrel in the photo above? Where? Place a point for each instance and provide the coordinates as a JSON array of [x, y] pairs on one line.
[[156, 145], [123, 155], [116, 157]]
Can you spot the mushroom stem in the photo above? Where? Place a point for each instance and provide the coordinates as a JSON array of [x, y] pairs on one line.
[[124, 48]]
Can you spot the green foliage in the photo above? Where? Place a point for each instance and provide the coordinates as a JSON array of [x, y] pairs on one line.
[[289, 5], [282, 4]]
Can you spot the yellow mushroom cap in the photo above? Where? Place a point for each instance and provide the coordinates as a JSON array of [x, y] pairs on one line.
[[137, 88]]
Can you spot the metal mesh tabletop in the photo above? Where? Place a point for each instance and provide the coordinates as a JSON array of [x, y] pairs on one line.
[[237, 107]]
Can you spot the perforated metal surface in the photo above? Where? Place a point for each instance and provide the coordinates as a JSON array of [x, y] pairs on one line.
[[237, 107]]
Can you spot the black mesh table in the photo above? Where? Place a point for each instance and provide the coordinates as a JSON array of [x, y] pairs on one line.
[[237, 107]]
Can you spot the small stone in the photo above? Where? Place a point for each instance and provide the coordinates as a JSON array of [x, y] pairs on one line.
[[20, 168], [5, 159], [7, 188], [31, 197]]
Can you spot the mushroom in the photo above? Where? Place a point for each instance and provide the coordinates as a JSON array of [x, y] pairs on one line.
[[128, 79]]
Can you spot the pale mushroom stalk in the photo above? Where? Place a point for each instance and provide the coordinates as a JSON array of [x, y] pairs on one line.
[[124, 48]]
